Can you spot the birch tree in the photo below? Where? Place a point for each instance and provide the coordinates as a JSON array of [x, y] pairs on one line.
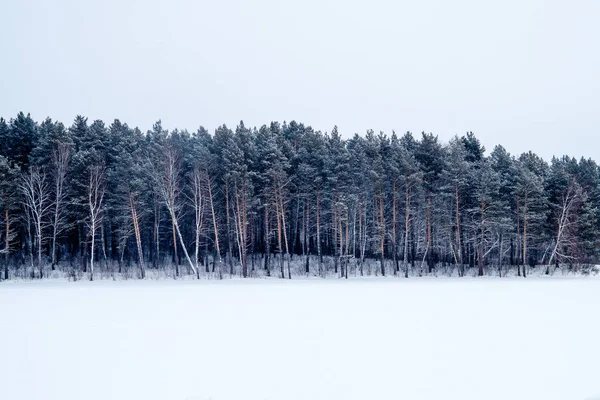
[[95, 198], [167, 180], [35, 189], [61, 155], [566, 197], [198, 200]]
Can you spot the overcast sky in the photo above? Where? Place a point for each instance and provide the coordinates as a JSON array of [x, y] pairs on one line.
[[525, 74]]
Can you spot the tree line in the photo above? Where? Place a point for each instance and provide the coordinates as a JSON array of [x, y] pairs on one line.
[[282, 200]]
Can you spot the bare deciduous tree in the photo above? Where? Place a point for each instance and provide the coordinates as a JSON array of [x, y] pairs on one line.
[[167, 181], [209, 185], [96, 188], [198, 200], [36, 200], [136, 229], [569, 199], [60, 164]]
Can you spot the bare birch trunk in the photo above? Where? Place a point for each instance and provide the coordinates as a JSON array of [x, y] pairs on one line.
[[138, 237], [215, 227], [175, 258], [96, 189], [60, 160], [285, 238]]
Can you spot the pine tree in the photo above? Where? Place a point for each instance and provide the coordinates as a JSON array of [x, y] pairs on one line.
[[23, 137], [429, 154], [457, 185], [532, 208], [505, 167], [412, 178]]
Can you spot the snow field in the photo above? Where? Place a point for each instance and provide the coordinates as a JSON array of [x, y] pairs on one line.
[[301, 339]]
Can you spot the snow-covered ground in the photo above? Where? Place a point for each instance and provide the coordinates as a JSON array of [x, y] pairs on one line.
[[301, 340]]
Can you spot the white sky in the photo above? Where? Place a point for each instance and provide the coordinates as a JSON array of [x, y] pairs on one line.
[[524, 74]]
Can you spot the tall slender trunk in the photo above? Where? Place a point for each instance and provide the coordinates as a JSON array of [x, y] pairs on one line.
[[156, 237], [279, 235], [103, 241], [394, 228], [363, 244], [306, 236], [6, 242], [428, 218], [267, 241], [346, 258], [138, 236], [354, 255], [83, 238], [39, 246], [54, 235], [336, 256], [525, 237], [240, 205], [229, 250], [319, 253], [215, 227], [245, 225], [30, 244], [501, 256], [294, 232], [360, 235], [568, 200], [461, 270], [285, 238], [55, 226], [93, 234], [181, 242], [406, 228], [481, 244], [413, 245], [382, 232], [253, 236], [96, 190], [341, 244], [197, 248], [61, 156], [518, 259], [175, 258]]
